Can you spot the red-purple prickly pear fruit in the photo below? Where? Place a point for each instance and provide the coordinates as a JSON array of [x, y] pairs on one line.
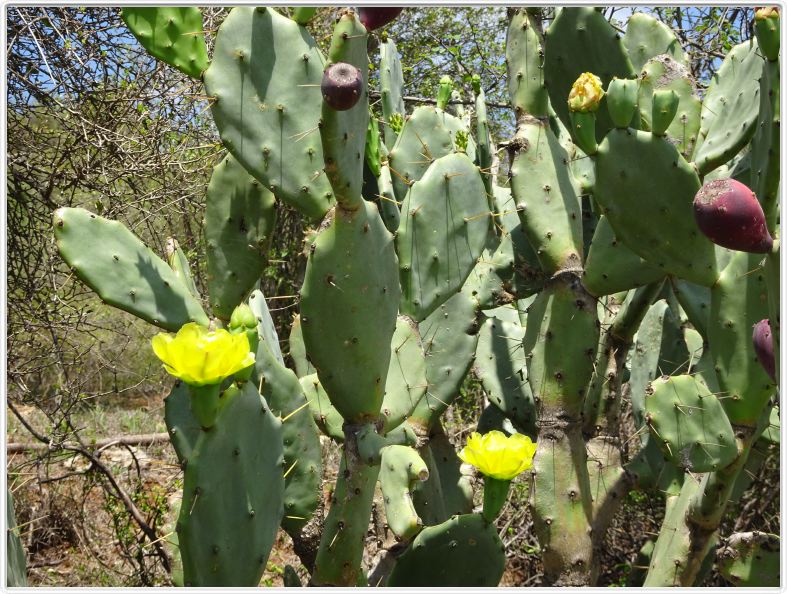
[[341, 86], [729, 214], [374, 17], [763, 347]]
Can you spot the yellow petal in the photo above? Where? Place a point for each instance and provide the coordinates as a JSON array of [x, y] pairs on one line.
[[586, 93], [201, 357], [499, 456], [160, 343]]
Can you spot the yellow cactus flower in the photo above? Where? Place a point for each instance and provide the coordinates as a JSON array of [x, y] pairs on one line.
[[200, 357], [586, 93], [498, 456]]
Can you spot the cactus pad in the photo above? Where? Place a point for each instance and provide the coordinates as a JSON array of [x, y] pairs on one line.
[[447, 491], [264, 82], [750, 559], [659, 349], [449, 336], [501, 365], [16, 563], [546, 197], [647, 37], [240, 215], [232, 495], [344, 132], [561, 338], [655, 220], [172, 34], [464, 551], [301, 443], [690, 424], [124, 272], [524, 61], [349, 307], [612, 267], [406, 382], [180, 266], [400, 469], [183, 428], [391, 85], [738, 301], [443, 229], [424, 138], [582, 40], [298, 349], [324, 414], [664, 73], [668, 559], [729, 108]]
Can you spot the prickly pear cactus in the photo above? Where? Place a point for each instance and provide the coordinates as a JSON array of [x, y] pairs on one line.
[[585, 284]]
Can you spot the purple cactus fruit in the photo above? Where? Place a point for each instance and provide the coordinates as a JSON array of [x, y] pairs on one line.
[[729, 214], [374, 17], [341, 86], [763, 347]]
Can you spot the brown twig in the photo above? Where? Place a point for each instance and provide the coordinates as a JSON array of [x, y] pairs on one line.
[[131, 440]]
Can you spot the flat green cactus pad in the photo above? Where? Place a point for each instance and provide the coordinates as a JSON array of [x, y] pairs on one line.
[[689, 424], [659, 349], [342, 138], [546, 197], [582, 40], [400, 470], [612, 267], [647, 37], [524, 61], [447, 491], [652, 470], [501, 365], [324, 414], [183, 428], [349, 307], [427, 135], [391, 85], [668, 559], [232, 495], [730, 107], [655, 220], [123, 271], [298, 349], [738, 301], [265, 87], [664, 73], [180, 266], [444, 226], [240, 216], [171, 33], [450, 336], [406, 382], [301, 442], [464, 551], [561, 340], [16, 563]]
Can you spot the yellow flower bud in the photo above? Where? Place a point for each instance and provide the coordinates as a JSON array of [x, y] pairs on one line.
[[200, 357], [586, 93], [498, 456], [766, 12]]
